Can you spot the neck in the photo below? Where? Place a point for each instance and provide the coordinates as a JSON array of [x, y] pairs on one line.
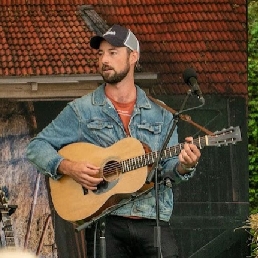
[[122, 92]]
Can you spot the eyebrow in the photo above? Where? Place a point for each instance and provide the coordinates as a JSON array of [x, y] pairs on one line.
[[113, 48]]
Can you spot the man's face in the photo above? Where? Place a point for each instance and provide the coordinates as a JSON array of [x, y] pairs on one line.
[[114, 62]]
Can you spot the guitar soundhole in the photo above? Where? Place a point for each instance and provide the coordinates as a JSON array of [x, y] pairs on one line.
[[111, 170]]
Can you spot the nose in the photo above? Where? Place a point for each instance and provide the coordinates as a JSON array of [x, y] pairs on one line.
[[104, 58]]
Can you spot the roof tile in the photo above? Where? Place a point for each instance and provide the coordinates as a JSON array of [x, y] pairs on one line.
[[52, 38]]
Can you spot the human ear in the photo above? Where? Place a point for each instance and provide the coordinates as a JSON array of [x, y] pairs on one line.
[[134, 56]]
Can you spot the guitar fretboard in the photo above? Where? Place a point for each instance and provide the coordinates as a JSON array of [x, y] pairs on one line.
[[151, 157]]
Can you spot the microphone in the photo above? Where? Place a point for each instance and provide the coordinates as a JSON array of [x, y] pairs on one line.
[[190, 78]]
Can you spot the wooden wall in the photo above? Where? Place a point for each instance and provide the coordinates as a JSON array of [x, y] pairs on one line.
[[211, 209]]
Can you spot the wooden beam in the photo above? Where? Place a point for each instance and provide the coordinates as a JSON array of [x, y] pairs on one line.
[[46, 91], [59, 87]]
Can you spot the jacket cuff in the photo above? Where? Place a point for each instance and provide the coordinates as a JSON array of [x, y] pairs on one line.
[[185, 176]]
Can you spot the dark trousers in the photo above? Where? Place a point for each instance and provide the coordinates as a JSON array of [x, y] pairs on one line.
[[133, 238]]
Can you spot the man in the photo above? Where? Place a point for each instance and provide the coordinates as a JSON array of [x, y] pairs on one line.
[[115, 110]]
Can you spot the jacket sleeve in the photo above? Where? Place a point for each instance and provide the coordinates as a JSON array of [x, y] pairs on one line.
[[42, 151]]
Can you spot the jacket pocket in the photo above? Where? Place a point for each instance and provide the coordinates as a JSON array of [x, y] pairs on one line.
[[103, 132], [150, 134], [150, 128]]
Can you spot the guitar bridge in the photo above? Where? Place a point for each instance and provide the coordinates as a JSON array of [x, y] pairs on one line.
[[85, 191]]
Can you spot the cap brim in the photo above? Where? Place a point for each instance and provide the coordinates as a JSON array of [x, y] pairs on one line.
[[96, 40]]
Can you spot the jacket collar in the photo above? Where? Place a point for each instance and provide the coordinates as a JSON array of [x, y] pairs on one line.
[[99, 97]]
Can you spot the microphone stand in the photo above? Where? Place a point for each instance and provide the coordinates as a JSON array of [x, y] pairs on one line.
[[157, 168], [102, 239]]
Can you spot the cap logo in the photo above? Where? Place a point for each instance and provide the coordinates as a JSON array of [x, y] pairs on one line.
[[110, 33]]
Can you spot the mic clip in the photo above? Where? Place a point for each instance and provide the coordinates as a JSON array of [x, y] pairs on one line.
[[168, 179]]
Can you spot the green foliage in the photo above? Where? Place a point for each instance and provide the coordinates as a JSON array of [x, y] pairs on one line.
[[253, 103]]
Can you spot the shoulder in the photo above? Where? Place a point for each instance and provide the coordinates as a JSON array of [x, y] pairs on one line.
[[96, 97]]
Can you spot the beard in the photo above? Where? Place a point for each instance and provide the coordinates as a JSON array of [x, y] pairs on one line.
[[116, 77]]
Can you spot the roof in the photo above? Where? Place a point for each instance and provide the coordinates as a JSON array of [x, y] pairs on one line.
[[52, 38]]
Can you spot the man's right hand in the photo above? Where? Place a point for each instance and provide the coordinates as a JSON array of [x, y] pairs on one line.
[[82, 172]]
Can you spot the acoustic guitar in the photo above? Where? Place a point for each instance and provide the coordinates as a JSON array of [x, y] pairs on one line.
[[124, 167]]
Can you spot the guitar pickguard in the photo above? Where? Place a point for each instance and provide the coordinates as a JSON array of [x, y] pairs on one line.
[[105, 186]]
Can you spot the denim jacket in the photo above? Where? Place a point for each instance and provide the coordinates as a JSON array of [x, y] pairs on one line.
[[93, 119]]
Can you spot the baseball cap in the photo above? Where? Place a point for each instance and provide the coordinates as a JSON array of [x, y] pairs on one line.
[[117, 36]]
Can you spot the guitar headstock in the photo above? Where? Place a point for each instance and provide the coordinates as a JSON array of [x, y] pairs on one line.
[[3, 195], [224, 137]]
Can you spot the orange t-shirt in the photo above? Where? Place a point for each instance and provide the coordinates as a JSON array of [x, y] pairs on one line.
[[125, 111]]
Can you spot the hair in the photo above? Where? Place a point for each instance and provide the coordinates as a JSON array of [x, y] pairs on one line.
[[15, 253], [137, 67]]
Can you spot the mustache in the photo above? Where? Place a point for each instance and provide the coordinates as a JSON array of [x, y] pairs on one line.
[[106, 67]]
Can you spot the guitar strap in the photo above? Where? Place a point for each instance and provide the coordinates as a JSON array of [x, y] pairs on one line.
[[183, 117]]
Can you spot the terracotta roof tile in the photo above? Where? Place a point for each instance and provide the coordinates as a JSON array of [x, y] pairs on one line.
[[53, 38]]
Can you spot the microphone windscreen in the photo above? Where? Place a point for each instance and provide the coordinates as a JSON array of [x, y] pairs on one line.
[[188, 73]]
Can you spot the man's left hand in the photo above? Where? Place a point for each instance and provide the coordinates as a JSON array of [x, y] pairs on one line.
[[188, 157]]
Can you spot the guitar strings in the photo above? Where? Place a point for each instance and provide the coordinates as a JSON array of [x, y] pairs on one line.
[[147, 158]]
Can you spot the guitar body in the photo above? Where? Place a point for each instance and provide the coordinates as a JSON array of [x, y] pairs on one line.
[[71, 201]]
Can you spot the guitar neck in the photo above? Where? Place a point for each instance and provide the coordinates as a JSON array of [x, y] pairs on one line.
[[7, 229], [151, 157]]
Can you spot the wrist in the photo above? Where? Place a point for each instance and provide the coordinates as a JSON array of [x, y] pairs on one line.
[[184, 174], [64, 167], [186, 168]]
